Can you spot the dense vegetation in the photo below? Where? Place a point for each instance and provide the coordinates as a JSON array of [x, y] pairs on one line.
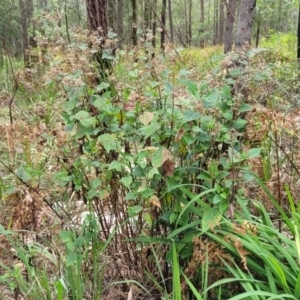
[[167, 176]]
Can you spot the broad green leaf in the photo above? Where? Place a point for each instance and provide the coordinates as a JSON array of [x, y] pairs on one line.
[[23, 174], [210, 218], [239, 123], [115, 165], [81, 115], [150, 129], [190, 115], [108, 142], [153, 171], [254, 152], [134, 73], [71, 259], [173, 217], [88, 122], [245, 107], [134, 210], [154, 84], [217, 199], [126, 181], [160, 156], [183, 72], [102, 86]]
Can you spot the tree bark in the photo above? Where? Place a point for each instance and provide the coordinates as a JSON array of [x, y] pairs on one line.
[[111, 14], [134, 22], [154, 27], [120, 26], [25, 38], [163, 25], [298, 36], [244, 27], [96, 16], [221, 23], [190, 6], [228, 39], [171, 21], [216, 22], [201, 30]]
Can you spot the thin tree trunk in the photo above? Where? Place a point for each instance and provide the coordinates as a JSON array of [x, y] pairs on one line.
[[216, 22], [25, 39], [171, 21], [134, 22], [228, 39], [244, 27], [120, 27], [201, 31], [298, 36], [154, 27], [221, 23], [111, 14], [190, 4], [163, 23]]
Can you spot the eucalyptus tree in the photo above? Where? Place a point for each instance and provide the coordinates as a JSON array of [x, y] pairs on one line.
[[245, 21]]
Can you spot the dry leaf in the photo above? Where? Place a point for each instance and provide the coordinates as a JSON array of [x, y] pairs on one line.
[[146, 117], [179, 135], [168, 167], [155, 201]]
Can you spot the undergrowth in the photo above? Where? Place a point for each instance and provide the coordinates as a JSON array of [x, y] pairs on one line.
[[175, 179]]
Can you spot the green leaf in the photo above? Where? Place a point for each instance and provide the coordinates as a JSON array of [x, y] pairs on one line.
[[107, 54], [210, 218], [204, 176], [134, 73], [239, 123], [217, 199], [173, 217], [154, 84], [160, 156], [148, 130], [71, 259], [126, 181], [102, 86], [134, 210], [245, 107], [88, 122], [190, 115], [115, 165], [183, 72], [81, 115], [108, 142], [254, 152], [24, 175], [153, 171]]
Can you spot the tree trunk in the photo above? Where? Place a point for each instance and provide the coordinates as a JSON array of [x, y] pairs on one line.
[[244, 27], [154, 27], [25, 39], [134, 22], [228, 40], [171, 21], [201, 30], [97, 21], [120, 27], [216, 22], [96, 16], [111, 13], [163, 25], [221, 23], [190, 6], [298, 36]]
